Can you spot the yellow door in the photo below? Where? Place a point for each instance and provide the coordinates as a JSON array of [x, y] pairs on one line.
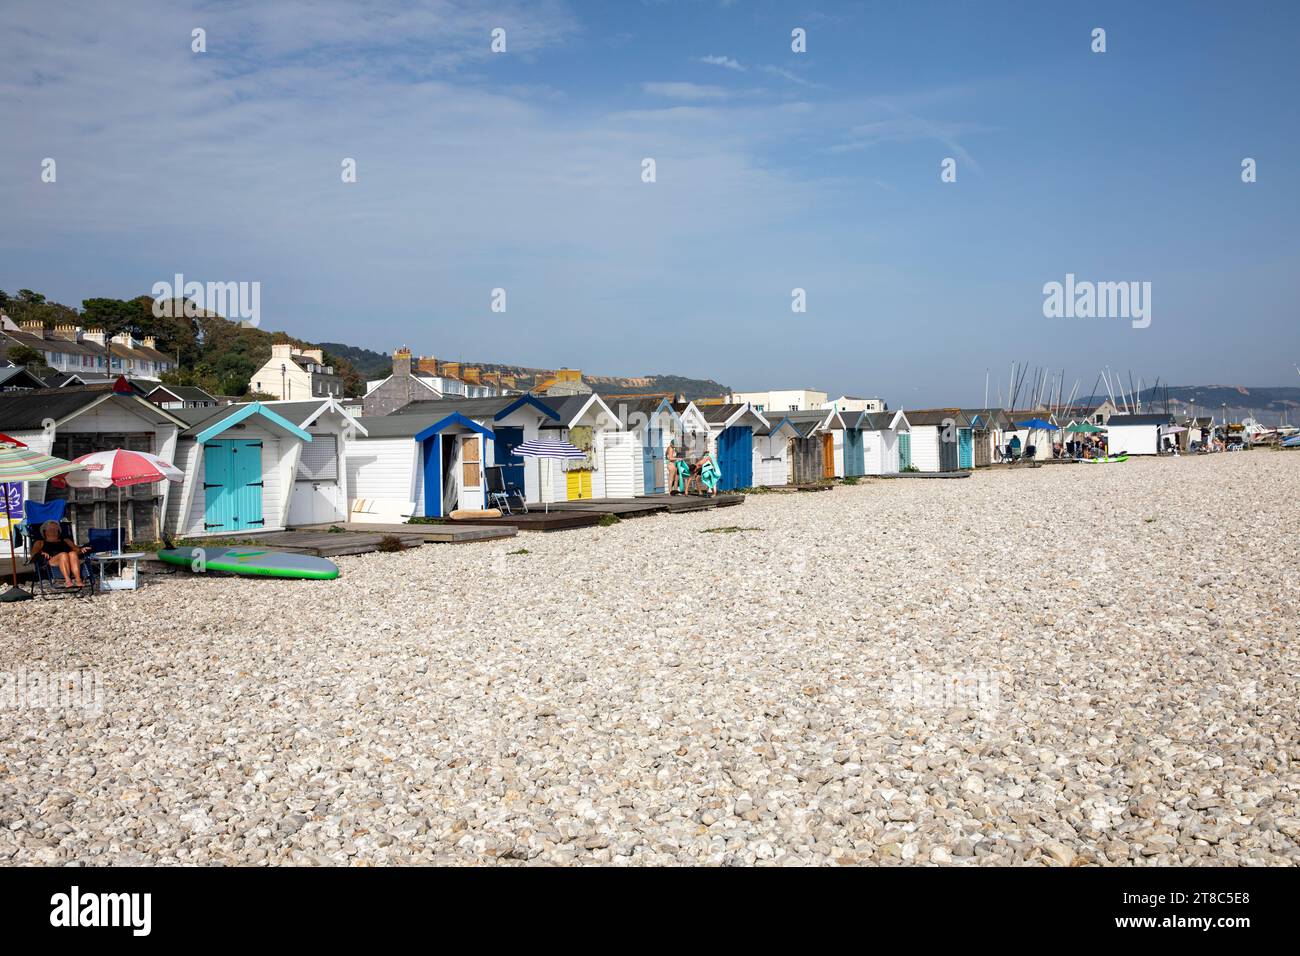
[[579, 485]]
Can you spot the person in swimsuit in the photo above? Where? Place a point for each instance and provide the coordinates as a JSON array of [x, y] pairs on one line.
[[63, 553], [670, 460]]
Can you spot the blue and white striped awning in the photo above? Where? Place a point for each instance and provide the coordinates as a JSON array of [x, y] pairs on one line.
[[548, 449]]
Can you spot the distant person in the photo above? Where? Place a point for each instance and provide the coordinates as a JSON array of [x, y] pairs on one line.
[[670, 462], [1014, 446]]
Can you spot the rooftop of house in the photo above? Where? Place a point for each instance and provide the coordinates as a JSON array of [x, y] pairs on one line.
[[186, 393], [938, 416], [29, 409], [1121, 420]]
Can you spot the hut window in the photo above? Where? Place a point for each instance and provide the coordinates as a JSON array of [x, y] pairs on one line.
[[469, 462]]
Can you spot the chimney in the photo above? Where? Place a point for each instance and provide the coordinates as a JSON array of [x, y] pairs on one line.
[[451, 369], [123, 339], [281, 350], [402, 362], [150, 342], [33, 327], [66, 332], [428, 364], [471, 375], [93, 336], [316, 355]]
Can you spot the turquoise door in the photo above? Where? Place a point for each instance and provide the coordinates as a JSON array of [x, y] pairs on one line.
[[904, 451], [965, 448], [854, 457], [232, 485]]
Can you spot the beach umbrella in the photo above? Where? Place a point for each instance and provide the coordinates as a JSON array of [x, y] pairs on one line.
[[1084, 428], [19, 463], [1037, 423], [551, 450], [119, 468]]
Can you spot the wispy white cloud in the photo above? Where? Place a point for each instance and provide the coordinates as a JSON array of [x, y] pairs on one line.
[[792, 77], [724, 61], [685, 91]]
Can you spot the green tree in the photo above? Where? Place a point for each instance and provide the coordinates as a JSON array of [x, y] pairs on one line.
[[25, 355]]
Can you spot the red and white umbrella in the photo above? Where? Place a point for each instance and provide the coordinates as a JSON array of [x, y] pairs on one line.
[[121, 468]]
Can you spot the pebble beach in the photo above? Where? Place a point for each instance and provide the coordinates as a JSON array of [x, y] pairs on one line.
[[1066, 665]]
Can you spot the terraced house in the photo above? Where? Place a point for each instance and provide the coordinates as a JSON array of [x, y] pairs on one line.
[[76, 351]]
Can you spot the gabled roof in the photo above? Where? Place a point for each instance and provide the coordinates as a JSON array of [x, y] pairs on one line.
[[778, 425], [29, 409], [17, 376], [303, 414], [485, 407], [572, 407], [184, 393], [409, 420], [636, 412], [454, 420], [221, 419], [1122, 420], [938, 416], [884, 421], [841, 420]]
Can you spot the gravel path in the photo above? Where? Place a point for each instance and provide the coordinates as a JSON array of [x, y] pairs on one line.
[[1062, 665]]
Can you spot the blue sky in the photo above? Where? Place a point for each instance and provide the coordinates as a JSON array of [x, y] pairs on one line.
[[776, 170]]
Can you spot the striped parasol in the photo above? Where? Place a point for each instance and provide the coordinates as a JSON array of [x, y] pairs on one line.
[[24, 464], [548, 448], [120, 468]]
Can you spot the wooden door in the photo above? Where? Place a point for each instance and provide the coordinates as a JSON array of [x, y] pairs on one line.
[[828, 455], [578, 485]]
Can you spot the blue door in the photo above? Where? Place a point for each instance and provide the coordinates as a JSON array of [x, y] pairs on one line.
[[965, 448], [433, 476], [736, 457], [652, 461], [512, 466], [232, 485]]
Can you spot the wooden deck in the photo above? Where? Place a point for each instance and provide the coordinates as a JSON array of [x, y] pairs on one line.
[[322, 544], [448, 533], [536, 521], [648, 504], [927, 474]]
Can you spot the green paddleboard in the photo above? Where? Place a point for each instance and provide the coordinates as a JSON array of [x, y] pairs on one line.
[[251, 561], [1104, 461]]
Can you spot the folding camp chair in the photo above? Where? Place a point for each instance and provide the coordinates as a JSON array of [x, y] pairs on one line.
[[48, 578], [499, 491]]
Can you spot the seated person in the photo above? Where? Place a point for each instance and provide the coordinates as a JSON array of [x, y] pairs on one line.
[[63, 554]]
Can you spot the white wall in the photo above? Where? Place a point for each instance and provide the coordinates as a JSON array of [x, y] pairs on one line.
[[880, 452], [386, 468], [925, 447], [1134, 439], [622, 460], [770, 467]]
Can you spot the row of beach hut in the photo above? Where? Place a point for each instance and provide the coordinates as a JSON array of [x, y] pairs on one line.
[[263, 466]]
